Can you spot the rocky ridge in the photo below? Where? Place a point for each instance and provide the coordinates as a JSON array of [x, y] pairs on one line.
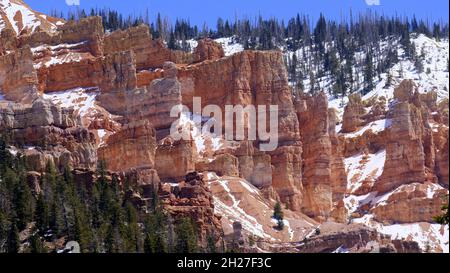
[[381, 158]]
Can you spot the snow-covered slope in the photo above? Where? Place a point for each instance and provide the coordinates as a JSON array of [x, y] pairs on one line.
[[85, 107], [17, 15], [235, 199], [230, 46]]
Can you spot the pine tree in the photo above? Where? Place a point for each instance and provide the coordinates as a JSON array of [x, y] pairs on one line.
[[312, 83], [41, 215], [388, 80], [81, 231], [211, 244], [148, 244], [368, 73], [172, 42], [112, 240], [56, 218], [13, 242], [133, 238], [5, 156], [22, 203], [36, 244], [186, 236], [278, 215], [443, 219]]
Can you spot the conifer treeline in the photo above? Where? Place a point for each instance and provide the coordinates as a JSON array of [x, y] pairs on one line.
[[97, 216], [323, 51], [267, 33]]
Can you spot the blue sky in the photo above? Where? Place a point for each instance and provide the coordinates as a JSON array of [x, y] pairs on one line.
[[200, 11]]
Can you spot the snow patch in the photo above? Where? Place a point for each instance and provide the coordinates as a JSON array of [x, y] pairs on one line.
[[192, 124], [230, 47], [363, 167], [430, 237], [82, 100], [29, 19], [375, 126]]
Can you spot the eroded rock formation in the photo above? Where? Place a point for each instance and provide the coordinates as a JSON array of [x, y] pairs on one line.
[[48, 133]]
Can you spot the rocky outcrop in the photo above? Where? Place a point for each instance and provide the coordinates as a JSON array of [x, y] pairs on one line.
[[405, 151], [333, 237], [353, 112], [338, 173], [138, 39], [18, 78], [223, 164], [41, 113], [253, 78], [208, 49], [8, 41], [411, 203], [245, 78], [115, 72], [149, 53], [17, 16], [443, 165], [88, 30], [135, 145], [175, 159], [316, 178], [254, 166], [287, 175], [153, 103], [48, 133], [192, 199]]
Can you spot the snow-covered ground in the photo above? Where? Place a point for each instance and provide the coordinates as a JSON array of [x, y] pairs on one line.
[[364, 167], [60, 54], [82, 100], [191, 128], [375, 126], [20, 16], [234, 212], [230, 47], [435, 74], [430, 237], [235, 199], [367, 168]]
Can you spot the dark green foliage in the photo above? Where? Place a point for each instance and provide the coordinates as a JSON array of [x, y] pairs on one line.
[[22, 202], [186, 236], [36, 244], [13, 242], [278, 215], [97, 216], [332, 45], [41, 215], [211, 244], [443, 219], [368, 74]]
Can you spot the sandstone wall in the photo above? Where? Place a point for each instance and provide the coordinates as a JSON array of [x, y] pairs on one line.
[[134, 146], [43, 132]]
